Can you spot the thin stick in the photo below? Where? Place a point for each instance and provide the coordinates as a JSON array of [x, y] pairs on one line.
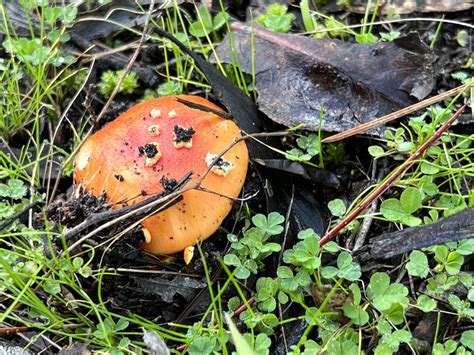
[[394, 115], [391, 179]]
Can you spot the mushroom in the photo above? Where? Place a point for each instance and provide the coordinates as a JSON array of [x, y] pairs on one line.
[[147, 148]]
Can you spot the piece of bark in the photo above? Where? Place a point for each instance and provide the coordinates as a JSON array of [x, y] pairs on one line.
[[456, 227]]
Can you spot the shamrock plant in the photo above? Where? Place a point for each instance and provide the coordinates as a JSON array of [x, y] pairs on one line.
[[249, 252], [338, 209], [276, 18], [308, 147], [12, 200], [446, 273]]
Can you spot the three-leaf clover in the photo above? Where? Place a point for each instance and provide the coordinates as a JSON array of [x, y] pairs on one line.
[[265, 296], [276, 18], [383, 294], [346, 268], [450, 261], [306, 252], [270, 225]]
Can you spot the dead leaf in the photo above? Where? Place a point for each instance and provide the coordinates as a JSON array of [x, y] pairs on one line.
[[353, 83], [167, 289], [154, 343]]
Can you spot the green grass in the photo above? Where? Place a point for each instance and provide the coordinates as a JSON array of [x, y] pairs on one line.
[[43, 285]]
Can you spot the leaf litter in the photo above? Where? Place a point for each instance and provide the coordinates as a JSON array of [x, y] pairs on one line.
[[297, 76]]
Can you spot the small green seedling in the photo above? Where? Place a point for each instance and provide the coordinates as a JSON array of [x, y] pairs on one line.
[[354, 310], [308, 147], [205, 24], [383, 294], [346, 268], [248, 252], [451, 261], [110, 79], [276, 18], [338, 209]]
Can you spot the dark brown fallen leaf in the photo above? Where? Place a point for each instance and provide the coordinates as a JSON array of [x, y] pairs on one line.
[[296, 76], [409, 6], [317, 175]]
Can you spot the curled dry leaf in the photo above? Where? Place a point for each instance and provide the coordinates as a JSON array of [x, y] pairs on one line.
[[297, 76]]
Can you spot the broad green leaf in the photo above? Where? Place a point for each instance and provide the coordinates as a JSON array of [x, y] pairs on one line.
[[428, 169], [337, 207], [356, 295], [358, 315], [348, 269], [331, 247], [418, 264], [242, 273], [307, 233], [202, 345], [328, 272], [376, 151], [383, 294], [393, 211], [284, 272], [467, 339], [426, 304], [220, 20], [466, 247], [454, 263], [410, 199], [232, 260], [395, 314]]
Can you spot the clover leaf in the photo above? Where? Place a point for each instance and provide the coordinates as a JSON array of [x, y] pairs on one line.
[[346, 268], [383, 294], [451, 261], [269, 225], [418, 264], [425, 303]]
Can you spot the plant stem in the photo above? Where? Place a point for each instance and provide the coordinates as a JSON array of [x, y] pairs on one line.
[[391, 179]]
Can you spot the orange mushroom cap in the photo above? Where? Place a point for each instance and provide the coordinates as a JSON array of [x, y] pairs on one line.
[[164, 138]]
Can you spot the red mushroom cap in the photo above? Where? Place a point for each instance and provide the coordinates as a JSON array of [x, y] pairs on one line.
[[162, 138]]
